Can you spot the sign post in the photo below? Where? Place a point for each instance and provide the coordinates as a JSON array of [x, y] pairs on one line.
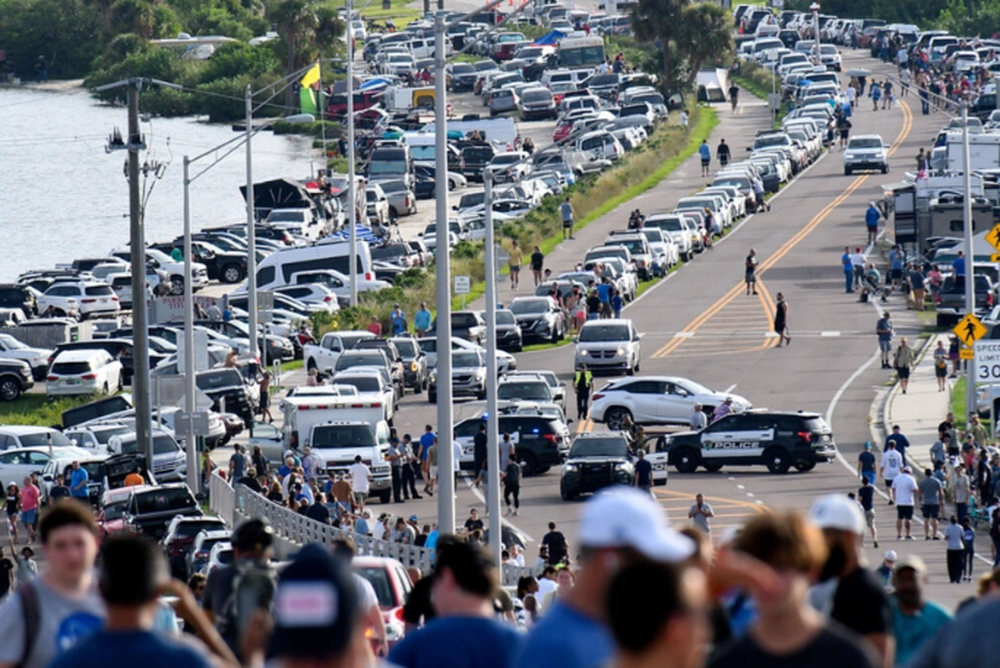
[[463, 286]]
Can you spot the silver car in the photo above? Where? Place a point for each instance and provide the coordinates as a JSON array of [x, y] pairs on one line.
[[611, 345], [402, 201], [866, 152]]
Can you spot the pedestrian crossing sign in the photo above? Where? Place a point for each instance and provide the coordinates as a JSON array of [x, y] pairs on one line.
[[969, 329], [994, 237]]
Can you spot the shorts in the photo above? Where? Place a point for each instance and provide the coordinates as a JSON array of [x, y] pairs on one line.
[[888, 482], [903, 372], [29, 517], [930, 512], [869, 476], [706, 163], [904, 512], [870, 518], [567, 224], [885, 346], [434, 472], [750, 277], [897, 274], [515, 269], [360, 497], [265, 400]]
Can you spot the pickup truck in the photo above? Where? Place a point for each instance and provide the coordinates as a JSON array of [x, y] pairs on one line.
[[323, 356], [950, 301], [150, 509]]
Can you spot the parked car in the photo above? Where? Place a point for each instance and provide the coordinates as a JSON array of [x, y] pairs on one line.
[[15, 378], [81, 372]]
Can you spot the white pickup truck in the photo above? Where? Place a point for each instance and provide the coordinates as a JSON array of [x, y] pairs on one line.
[[338, 429], [323, 356]]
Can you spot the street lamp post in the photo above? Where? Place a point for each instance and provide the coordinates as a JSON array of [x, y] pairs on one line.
[[352, 194], [970, 253], [494, 465], [251, 231]]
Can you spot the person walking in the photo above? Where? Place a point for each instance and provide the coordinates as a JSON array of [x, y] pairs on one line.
[[701, 514], [916, 620], [883, 328], [866, 497], [705, 152], [409, 471], [643, 478], [960, 488], [904, 487], [395, 455], [514, 262], [13, 507], [955, 545], [511, 476], [422, 320], [781, 320], [722, 154], [872, 216], [750, 272], [858, 266], [583, 383], [848, 267], [941, 366], [537, 263], [931, 503], [903, 361], [265, 397], [866, 464], [734, 96], [969, 547], [566, 214], [892, 466]]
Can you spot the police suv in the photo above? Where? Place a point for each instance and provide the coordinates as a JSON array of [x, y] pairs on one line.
[[776, 439]]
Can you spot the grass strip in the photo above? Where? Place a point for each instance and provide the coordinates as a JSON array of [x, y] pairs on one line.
[[37, 410]]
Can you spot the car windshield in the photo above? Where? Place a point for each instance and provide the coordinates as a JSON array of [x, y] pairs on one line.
[[536, 96], [379, 580], [279, 216], [363, 384], [465, 360], [223, 378], [165, 500], [462, 68], [770, 140], [115, 510], [104, 435], [506, 159], [599, 447], [865, 142], [525, 306], [505, 318], [11, 343], [538, 390], [601, 332], [407, 348], [343, 436], [603, 80], [360, 359], [42, 439]]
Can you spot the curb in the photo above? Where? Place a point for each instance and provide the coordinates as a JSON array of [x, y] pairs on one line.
[[884, 412]]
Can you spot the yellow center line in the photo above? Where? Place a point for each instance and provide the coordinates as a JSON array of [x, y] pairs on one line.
[[699, 321], [667, 494]]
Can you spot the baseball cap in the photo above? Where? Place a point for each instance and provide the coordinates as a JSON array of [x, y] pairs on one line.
[[890, 555], [911, 561], [413, 518], [907, 469], [835, 511], [625, 517], [315, 606]]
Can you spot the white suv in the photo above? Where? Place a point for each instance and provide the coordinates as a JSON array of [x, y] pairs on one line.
[[83, 297], [82, 372], [610, 345]]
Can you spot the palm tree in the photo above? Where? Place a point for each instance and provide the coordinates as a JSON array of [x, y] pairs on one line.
[[295, 21], [704, 34], [657, 21]]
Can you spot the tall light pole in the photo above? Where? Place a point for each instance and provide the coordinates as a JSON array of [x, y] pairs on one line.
[[445, 413], [492, 419], [352, 188], [814, 8], [190, 386], [970, 253], [251, 231]]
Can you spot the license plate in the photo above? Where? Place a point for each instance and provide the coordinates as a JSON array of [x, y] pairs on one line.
[[72, 381]]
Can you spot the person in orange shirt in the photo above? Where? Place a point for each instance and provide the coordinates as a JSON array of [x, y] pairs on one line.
[[134, 478]]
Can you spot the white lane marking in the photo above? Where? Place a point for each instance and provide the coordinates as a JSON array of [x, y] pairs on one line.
[[740, 487], [730, 388], [683, 335], [479, 495], [829, 333], [750, 494]]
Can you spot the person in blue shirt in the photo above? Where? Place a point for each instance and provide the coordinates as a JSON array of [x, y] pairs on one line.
[[872, 216], [465, 632], [845, 261], [619, 528], [398, 320], [705, 151], [426, 441], [902, 443], [422, 321], [617, 303], [604, 294], [914, 620], [958, 266], [78, 483], [133, 574], [897, 259]]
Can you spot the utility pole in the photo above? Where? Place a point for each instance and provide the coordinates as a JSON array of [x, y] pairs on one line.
[[970, 253], [251, 231], [493, 466], [137, 253], [352, 188], [190, 385], [445, 412]]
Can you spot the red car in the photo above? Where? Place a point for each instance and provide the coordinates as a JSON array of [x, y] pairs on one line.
[[562, 131], [392, 585], [111, 519]]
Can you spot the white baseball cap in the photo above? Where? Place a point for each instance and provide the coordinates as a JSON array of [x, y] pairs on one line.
[[890, 555], [625, 517], [836, 511]]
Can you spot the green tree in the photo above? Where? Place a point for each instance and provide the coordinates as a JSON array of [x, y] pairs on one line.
[[135, 16], [705, 35], [657, 22], [66, 32], [308, 29]]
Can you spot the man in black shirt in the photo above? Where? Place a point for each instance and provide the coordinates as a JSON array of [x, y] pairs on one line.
[[318, 511], [643, 472], [479, 448], [856, 600], [866, 497], [555, 541], [59, 490]]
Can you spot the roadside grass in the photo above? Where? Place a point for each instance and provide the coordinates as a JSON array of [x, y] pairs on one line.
[[36, 409], [548, 346], [757, 81], [294, 365], [958, 403], [399, 11]]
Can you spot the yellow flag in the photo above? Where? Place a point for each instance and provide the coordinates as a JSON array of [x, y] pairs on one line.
[[311, 77]]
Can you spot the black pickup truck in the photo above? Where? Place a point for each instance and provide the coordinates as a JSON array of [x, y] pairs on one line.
[[950, 302], [223, 266], [150, 510]]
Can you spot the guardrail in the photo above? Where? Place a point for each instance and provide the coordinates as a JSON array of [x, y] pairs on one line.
[[295, 530]]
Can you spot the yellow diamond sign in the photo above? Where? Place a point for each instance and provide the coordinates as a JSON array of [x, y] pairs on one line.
[[969, 330], [994, 237]]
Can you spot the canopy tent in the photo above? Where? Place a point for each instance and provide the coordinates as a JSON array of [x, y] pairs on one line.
[[713, 85], [550, 39], [278, 194]]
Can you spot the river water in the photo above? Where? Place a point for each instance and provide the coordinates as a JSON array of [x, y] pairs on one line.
[[63, 197]]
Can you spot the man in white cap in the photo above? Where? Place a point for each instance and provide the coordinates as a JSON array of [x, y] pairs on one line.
[[904, 488], [884, 572], [618, 527], [857, 600]]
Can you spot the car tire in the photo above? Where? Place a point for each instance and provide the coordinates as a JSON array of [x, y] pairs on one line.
[[686, 460], [615, 417], [805, 466], [530, 464], [777, 460], [630, 371], [712, 467], [847, 171], [385, 496], [565, 494], [885, 169], [106, 391], [10, 389], [176, 285], [232, 273]]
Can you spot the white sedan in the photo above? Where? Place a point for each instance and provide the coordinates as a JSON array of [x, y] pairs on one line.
[[657, 400]]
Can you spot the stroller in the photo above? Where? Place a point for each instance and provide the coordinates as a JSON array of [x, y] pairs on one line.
[[872, 286]]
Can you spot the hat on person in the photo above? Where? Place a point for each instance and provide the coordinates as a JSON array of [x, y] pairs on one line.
[[413, 518], [907, 469], [626, 517], [868, 445], [315, 607], [835, 511], [890, 555], [911, 561]]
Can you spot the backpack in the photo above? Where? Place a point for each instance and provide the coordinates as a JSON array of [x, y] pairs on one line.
[[31, 609], [254, 587]]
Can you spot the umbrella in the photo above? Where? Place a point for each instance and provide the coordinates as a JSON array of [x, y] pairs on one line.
[[858, 72]]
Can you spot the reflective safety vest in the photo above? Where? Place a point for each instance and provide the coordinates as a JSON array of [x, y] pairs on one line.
[[587, 377]]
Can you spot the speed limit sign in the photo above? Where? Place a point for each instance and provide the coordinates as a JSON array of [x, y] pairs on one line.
[[987, 362]]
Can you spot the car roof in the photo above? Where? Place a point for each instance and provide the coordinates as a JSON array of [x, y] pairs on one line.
[[81, 355], [18, 429], [608, 321]]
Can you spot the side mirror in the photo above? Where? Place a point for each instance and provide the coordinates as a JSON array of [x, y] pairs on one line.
[[576, 339]]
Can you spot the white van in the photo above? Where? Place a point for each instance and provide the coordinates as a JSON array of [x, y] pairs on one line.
[[278, 268]]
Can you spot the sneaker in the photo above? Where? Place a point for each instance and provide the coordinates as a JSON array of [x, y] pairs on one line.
[[909, 538], [516, 511], [875, 544]]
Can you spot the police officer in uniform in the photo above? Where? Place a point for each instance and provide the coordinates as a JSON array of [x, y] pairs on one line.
[[583, 383]]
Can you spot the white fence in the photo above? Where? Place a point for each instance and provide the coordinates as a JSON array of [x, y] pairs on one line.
[[295, 530]]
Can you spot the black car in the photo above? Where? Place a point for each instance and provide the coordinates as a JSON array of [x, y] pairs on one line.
[[221, 265], [477, 158], [416, 375], [596, 460], [13, 295], [227, 386], [542, 440], [424, 187], [461, 77], [15, 378], [776, 439], [540, 318], [509, 335], [468, 325], [150, 510]]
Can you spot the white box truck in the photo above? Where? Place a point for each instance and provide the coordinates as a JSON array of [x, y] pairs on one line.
[[338, 429]]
